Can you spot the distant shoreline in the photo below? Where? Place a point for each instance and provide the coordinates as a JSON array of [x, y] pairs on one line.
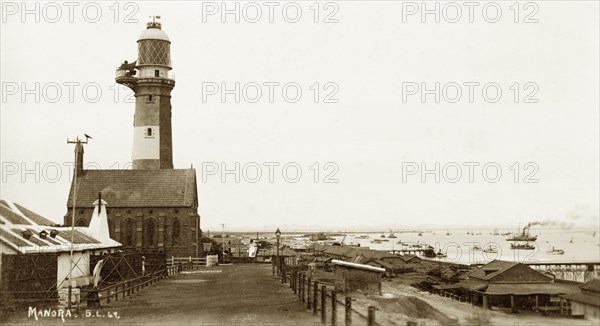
[[501, 229]]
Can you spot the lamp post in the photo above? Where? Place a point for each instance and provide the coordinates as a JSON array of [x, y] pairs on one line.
[[277, 235], [223, 242]]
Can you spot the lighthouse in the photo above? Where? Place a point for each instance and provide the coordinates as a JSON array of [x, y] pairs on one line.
[[150, 79], [153, 207]]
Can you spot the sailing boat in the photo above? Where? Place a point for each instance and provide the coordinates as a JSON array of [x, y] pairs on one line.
[[490, 250], [392, 235], [571, 241], [555, 251]]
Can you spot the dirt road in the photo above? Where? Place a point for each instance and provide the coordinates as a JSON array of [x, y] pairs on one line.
[[244, 294]]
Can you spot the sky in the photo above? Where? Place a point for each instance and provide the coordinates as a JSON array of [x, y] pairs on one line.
[[482, 115]]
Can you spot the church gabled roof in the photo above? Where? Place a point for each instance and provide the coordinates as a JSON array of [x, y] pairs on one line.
[[137, 188]]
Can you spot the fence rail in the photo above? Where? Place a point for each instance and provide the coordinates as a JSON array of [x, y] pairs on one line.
[[196, 261], [110, 292], [320, 300]]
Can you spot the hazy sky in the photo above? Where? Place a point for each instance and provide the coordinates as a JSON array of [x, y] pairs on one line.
[[374, 62]]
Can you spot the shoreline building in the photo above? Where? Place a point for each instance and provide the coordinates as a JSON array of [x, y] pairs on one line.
[[153, 208], [35, 253]]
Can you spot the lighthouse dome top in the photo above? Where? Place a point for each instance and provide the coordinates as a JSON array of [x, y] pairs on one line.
[[153, 31]]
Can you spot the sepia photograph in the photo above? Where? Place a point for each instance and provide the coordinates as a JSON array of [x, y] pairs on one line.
[[303, 162]]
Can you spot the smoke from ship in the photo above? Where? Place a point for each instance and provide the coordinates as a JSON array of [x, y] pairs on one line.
[[577, 213]]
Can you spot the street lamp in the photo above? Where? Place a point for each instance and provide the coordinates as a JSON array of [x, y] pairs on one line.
[[278, 235]]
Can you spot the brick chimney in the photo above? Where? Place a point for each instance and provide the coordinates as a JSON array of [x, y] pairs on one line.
[[79, 159]]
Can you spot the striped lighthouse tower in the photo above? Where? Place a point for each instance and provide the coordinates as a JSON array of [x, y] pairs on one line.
[[149, 78]]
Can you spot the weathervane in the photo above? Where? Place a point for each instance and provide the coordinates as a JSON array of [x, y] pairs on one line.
[[153, 23], [79, 141]]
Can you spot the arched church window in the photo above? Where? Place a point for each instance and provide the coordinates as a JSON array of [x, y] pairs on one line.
[[149, 233], [176, 234], [111, 229], [129, 233]]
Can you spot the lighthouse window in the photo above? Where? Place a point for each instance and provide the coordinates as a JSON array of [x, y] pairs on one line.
[[156, 73], [149, 132], [150, 98]]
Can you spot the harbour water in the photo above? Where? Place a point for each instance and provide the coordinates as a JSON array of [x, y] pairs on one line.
[[579, 245]]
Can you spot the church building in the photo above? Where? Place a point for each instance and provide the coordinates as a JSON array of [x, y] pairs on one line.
[[153, 207]]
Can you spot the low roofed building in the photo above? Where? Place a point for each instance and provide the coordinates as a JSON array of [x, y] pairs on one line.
[[37, 258], [393, 263], [510, 285], [352, 276], [586, 303]]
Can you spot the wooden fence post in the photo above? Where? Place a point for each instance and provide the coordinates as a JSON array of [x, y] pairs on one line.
[[323, 303], [371, 320], [348, 311], [315, 296], [302, 286], [333, 308], [297, 285], [293, 283], [308, 298]]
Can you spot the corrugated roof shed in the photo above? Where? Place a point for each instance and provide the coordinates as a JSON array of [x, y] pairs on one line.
[[528, 289], [354, 253], [380, 263], [492, 269], [30, 237], [593, 286], [499, 271], [17, 214], [137, 188], [11, 216], [592, 300], [36, 218]]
